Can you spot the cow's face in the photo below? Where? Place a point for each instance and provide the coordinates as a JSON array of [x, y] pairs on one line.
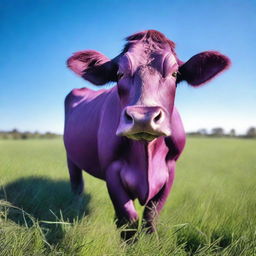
[[147, 72], [146, 87]]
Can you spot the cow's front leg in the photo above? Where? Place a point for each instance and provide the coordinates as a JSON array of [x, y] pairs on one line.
[[123, 204], [155, 205]]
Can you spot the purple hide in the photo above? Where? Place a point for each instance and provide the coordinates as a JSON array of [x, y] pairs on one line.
[[131, 135]]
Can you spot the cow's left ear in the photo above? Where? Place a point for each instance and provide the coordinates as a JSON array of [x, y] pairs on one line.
[[202, 67], [93, 66]]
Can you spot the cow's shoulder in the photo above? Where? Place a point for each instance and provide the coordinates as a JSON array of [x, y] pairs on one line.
[[77, 96]]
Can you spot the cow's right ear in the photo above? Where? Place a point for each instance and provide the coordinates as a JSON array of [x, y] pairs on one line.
[[93, 67]]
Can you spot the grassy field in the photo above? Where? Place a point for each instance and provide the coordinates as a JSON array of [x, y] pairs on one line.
[[211, 209]]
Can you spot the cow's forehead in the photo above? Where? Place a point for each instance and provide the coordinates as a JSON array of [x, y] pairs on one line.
[[142, 54]]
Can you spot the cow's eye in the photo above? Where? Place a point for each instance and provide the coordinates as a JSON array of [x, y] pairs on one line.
[[175, 74], [119, 75]]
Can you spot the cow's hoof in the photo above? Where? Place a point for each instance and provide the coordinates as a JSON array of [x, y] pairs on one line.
[[129, 236], [129, 230], [149, 228]]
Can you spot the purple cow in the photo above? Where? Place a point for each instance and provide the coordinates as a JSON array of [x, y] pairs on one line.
[[131, 135]]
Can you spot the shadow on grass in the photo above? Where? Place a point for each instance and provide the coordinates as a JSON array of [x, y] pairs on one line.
[[46, 200], [194, 241]]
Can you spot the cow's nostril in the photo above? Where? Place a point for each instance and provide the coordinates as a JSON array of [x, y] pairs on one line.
[[157, 118], [128, 117]]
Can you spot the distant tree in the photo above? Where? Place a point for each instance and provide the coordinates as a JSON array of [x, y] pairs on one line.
[[218, 131], [36, 134], [202, 131], [50, 135], [251, 132], [15, 134], [232, 133], [26, 135], [4, 135]]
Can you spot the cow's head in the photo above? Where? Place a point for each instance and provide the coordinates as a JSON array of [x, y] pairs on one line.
[[147, 73]]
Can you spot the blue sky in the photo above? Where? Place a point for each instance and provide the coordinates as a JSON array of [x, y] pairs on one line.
[[37, 36]]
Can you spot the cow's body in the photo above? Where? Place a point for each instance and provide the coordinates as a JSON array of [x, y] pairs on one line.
[[131, 135], [92, 118]]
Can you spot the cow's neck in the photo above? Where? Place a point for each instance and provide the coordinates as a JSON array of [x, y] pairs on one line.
[[146, 161]]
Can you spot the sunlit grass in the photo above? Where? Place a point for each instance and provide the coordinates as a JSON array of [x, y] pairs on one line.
[[210, 211]]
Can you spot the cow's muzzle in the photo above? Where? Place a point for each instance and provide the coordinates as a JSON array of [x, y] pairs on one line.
[[143, 123]]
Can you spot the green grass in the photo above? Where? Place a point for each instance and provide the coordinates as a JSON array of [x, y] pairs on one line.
[[211, 209]]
